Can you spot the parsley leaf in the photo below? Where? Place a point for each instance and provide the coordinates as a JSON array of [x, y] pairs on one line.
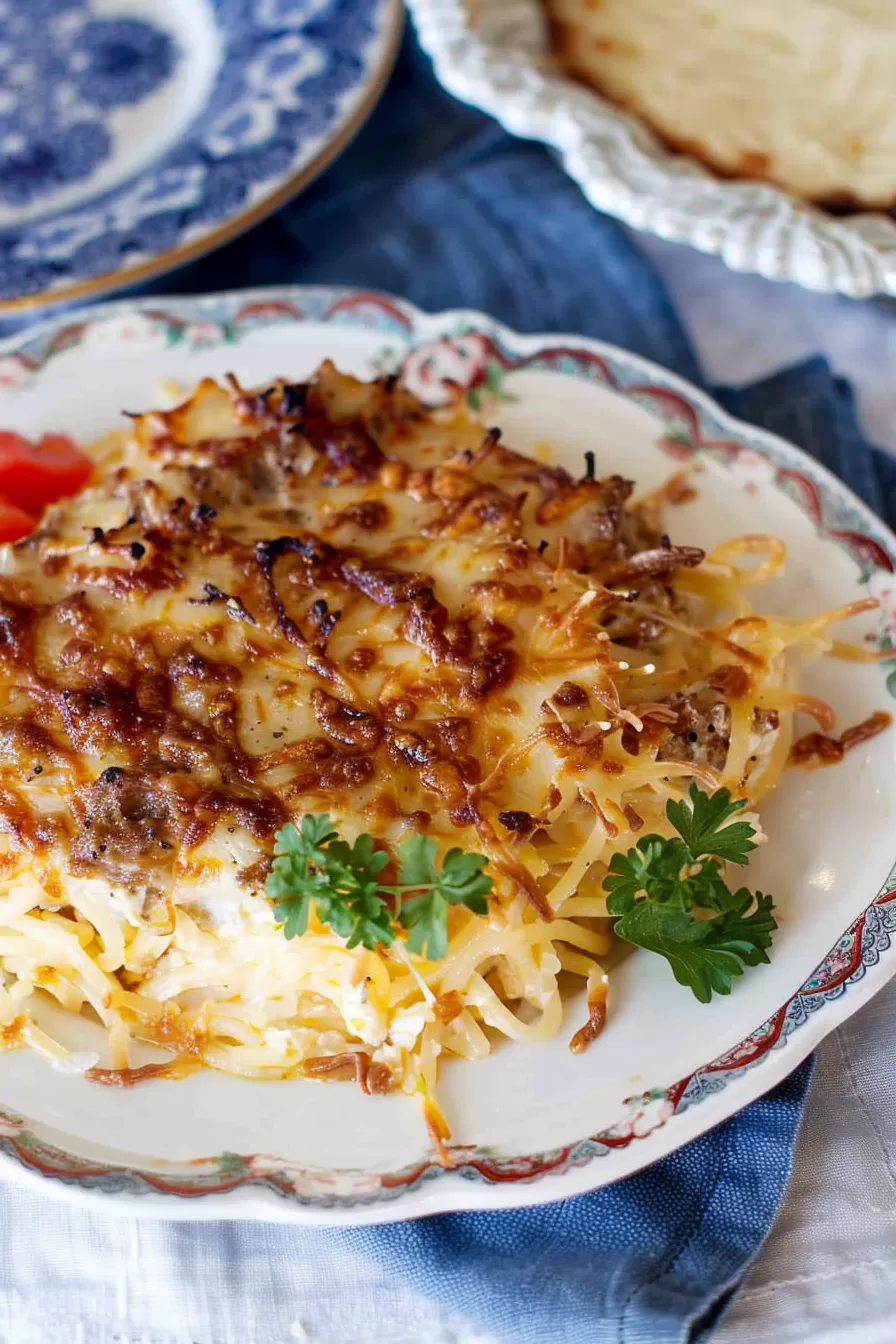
[[417, 867], [670, 895], [701, 825], [461, 882], [294, 878], [653, 868], [705, 954], [314, 866]]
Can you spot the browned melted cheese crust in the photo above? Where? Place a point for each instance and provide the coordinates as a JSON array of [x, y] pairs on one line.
[[318, 597]]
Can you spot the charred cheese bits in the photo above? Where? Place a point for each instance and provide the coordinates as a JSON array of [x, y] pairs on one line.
[[796, 93], [322, 598]]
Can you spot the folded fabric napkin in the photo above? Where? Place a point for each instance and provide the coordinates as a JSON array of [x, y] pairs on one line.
[[435, 203]]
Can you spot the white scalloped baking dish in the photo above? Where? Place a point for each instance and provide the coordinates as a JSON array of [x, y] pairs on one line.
[[495, 55]]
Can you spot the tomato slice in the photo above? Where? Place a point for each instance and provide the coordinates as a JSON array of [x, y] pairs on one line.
[[33, 475], [14, 522]]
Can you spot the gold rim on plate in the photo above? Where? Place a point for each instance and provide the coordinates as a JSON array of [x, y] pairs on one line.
[[110, 281]]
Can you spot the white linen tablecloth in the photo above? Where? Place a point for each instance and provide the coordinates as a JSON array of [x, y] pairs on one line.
[[827, 1271]]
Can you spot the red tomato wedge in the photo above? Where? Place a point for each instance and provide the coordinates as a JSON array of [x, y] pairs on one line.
[[14, 522], [33, 475]]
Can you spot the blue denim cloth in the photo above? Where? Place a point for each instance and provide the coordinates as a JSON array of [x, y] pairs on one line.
[[437, 204]]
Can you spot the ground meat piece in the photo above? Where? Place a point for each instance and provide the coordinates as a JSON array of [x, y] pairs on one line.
[[562, 497], [629, 627], [571, 695], [240, 471], [701, 732], [765, 720], [638, 632], [131, 824], [352, 454], [607, 523]]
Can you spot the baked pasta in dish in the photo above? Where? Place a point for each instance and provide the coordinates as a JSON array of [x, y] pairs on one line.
[[331, 725]]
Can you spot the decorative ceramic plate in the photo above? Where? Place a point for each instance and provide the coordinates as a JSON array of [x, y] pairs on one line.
[[496, 56], [533, 1123], [137, 134]]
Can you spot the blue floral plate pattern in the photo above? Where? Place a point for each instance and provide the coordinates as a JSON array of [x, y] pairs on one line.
[[130, 142]]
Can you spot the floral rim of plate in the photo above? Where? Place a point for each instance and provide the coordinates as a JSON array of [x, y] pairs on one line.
[[496, 57], [476, 353]]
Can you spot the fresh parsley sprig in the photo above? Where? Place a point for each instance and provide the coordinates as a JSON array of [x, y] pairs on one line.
[[670, 895], [313, 865], [460, 882]]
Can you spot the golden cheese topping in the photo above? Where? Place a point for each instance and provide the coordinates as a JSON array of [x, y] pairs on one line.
[[324, 598], [317, 597]]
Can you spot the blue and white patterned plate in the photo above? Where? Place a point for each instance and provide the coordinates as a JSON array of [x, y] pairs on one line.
[[136, 134]]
